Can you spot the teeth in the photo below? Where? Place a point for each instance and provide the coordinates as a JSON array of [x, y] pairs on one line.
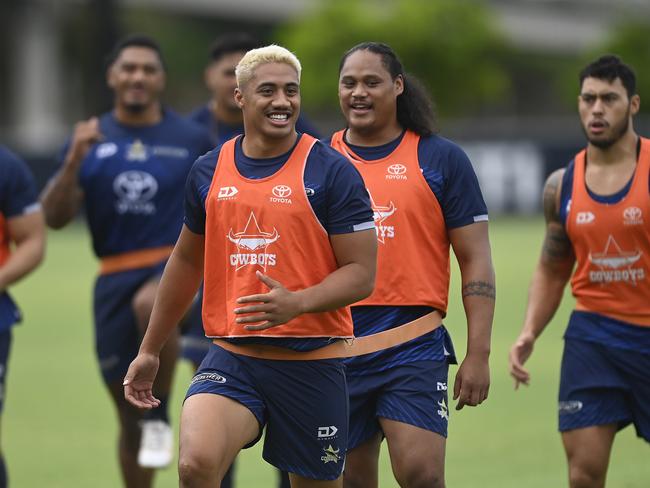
[[279, 116]]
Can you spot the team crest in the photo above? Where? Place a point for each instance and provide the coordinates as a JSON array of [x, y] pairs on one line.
[[252, 244], [136, 151], [616, 265], [379, 214], [331, 455]]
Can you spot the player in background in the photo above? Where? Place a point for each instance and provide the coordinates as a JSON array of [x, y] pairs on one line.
[[597, 235], [22, 246], [285, 226], [128, 169], [425, 198]]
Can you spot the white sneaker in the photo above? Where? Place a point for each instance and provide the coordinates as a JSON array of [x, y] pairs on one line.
[[156, 444]]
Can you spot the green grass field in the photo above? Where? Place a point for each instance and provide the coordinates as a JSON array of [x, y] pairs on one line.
[[59, 428]]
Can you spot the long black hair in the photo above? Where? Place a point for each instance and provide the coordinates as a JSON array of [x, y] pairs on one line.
[[414, 106]]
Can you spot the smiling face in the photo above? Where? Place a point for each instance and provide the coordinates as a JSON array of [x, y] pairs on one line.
[[605, 110], [367, 93], [137, 78], [270, 101]]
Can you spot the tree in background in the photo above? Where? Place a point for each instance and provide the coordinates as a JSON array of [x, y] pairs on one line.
[[451, 45]]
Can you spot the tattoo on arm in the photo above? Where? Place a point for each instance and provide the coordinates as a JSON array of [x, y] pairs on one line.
[[557, 246], [480, 289]]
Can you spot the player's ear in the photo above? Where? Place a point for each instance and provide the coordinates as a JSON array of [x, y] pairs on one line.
[[399, 85], [110, 76], [635, 104], [239, 97]]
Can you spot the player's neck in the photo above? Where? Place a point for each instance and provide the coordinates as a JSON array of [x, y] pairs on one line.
[[224, 115], [372, 138], [257, 146], [621, 152], [151, 115]]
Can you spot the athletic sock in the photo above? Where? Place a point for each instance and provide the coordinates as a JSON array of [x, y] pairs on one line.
[[161, 412]]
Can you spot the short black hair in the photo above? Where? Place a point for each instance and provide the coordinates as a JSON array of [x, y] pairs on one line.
[[135, 40], [610, 67], [232, 43]]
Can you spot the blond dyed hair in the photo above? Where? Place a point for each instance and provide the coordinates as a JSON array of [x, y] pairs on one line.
[[268, 54]]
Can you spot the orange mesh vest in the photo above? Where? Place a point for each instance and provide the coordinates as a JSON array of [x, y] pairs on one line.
[[612, 246], [4, 240], [265, 225], [413, 251]]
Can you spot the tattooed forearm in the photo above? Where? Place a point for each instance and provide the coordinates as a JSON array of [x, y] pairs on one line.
[[480, 289]]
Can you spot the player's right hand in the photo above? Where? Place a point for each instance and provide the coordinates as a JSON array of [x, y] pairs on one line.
[[519, 354], [138, 382], [86, 134]]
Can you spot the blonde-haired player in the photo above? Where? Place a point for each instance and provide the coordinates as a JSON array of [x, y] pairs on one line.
[[280, 227]]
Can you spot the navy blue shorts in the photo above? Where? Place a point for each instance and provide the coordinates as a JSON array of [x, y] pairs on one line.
[[5, 347], [604, 385], [303, 404], [194, 344], [117, 337], [413, 393]]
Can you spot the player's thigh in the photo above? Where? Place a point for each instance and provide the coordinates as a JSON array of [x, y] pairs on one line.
[[213, 430], [588, 449], [362, 463], [414, 451], [301, 482]]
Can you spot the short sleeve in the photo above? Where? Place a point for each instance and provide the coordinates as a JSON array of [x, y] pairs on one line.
[[348, 202], [18, 195], [452, 179], [197, 187]]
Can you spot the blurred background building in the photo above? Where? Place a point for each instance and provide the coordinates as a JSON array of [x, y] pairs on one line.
[[503, 73]]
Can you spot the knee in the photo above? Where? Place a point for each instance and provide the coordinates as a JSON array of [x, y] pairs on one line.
[[585, 476], [195, 470], [420, 477], [142, 306], [354, 480]]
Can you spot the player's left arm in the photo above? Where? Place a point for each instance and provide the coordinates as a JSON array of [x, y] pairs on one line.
[[27, 232], [471, 246]]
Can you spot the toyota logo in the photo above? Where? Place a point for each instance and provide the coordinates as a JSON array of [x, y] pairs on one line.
[[135, 186], [397, 169], [281, 191], [632, 213]]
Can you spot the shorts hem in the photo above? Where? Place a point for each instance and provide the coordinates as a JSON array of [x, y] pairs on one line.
[[407, 422], [292, 470], [621, 423], [260, 423]]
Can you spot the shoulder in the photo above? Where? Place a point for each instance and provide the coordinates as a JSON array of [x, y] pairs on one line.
[[443, 153], [13, 167], [8, 159], [199, 114], [186, 130], [551, 195], [208, 162], [325, 154]]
